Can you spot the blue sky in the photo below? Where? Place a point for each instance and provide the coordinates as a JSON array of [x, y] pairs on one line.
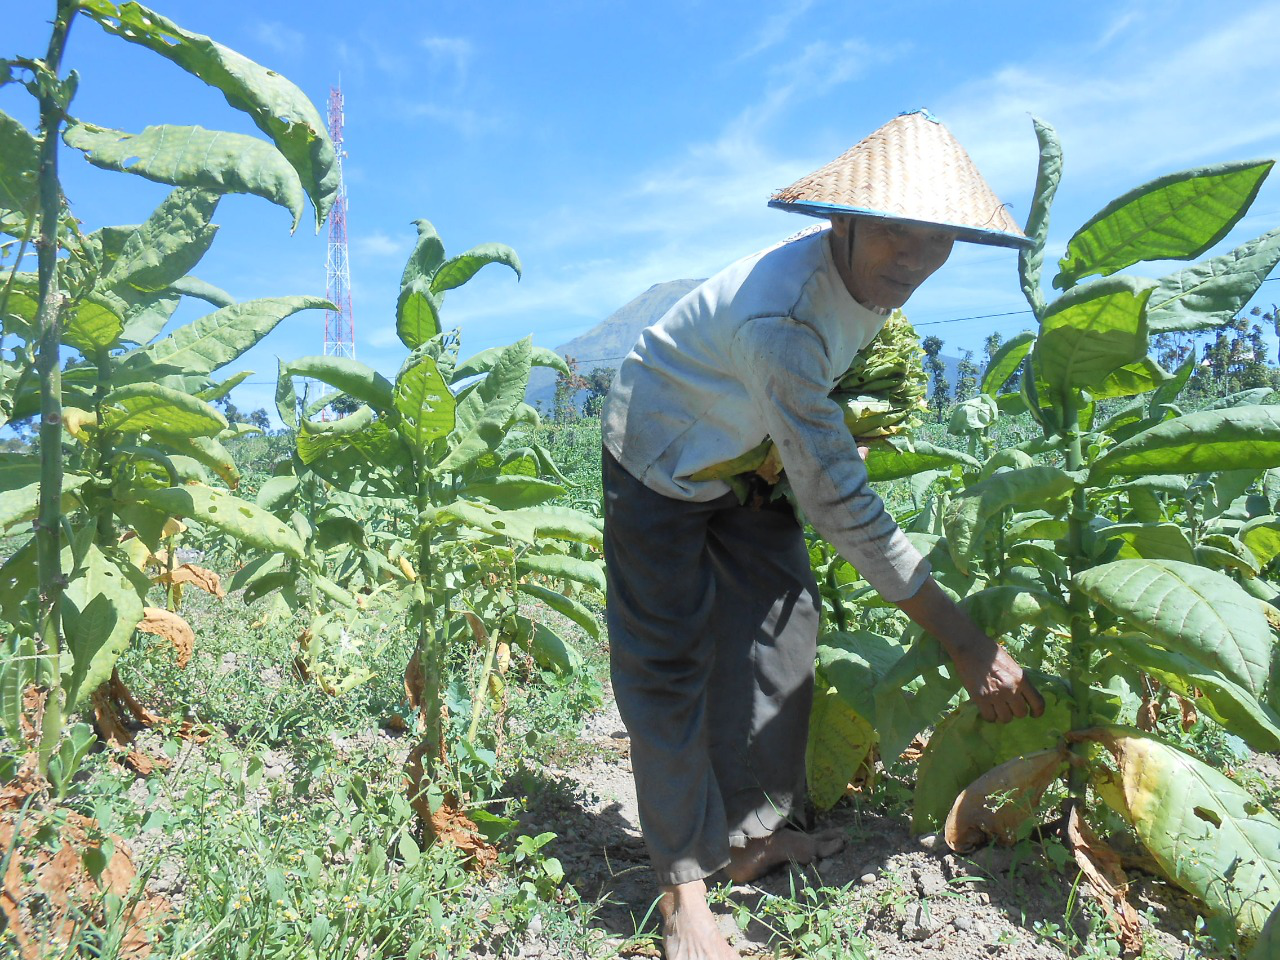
[[616, 145]]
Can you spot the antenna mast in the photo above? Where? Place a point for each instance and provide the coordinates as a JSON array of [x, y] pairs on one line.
[[339, 325]]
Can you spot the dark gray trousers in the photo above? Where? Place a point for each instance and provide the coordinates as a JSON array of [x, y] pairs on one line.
[[713, 621]]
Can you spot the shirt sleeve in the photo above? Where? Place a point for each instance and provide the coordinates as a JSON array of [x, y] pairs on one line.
[[786, 371]]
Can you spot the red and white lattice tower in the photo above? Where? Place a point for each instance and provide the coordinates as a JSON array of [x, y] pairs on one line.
[[339, 325]]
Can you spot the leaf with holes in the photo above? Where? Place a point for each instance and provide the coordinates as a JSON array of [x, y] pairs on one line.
[[151, 408], [238, 519], [840, 742]]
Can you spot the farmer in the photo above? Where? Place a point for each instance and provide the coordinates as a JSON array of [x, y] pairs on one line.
[[712, 608]]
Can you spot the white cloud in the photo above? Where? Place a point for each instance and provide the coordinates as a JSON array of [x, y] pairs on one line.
[[277, 37], [775, 29], [378, 244], [449, 56]]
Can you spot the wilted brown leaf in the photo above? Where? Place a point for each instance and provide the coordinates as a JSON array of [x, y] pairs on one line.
[[1148, 714], [994, 806], [47, 891], [1107, 882], [206, 580], [1189, 715], [171, 627]]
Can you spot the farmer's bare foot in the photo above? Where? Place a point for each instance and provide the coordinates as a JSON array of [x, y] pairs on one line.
[[762, 854], [689, 930]]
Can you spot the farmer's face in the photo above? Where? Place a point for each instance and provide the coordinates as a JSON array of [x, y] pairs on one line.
[[887, 261]]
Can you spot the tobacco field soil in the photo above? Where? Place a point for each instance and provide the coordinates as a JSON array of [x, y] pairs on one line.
[[271, 789]]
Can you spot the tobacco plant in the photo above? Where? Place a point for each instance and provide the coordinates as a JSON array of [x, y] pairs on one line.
[[1126, 552], [128, 438], [463, 501]]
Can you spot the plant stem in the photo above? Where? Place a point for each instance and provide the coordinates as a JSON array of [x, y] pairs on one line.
[[1077, 603], [106, 527], [48, 532]]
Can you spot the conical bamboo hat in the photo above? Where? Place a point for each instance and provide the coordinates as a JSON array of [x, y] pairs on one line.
[[912, 170]]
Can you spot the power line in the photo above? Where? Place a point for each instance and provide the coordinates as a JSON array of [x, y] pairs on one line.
[[926, 323]]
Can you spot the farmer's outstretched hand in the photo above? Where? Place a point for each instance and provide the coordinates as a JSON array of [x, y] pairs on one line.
[[993, 678]]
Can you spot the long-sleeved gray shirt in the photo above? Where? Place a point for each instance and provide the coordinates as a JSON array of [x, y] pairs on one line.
[[755, 351]]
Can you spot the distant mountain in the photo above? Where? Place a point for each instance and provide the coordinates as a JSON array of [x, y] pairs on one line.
[[605, 344]]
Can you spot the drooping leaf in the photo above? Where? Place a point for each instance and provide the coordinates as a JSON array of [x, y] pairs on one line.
[[100, 609], [562, 523], [347, 425], [168, 245], [456, 271], [1207, 295], [568, 606], [193, 157], [220, 390], [205, 345], [209, 452], [1031, 260], [559, 566], [995, 805], [1091, 331], [1230, 704], [548, 649], [970, 514], [151, 408], [277, 107], [484, 361], [200, 290], [1006, 360], [1197, 612], [19, 167], [1206, 832], [1235, 438], [238, 518], [854, 663], [276, 492], [351, 377], [20, 503], [840, 740], [425, 403], [901, 713], [964, 746], [1131, 380], [1175, 217]]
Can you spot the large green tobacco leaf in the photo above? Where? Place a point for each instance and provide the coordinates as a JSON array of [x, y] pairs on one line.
[[1000, 610], [562, 523], [1208, 294], [20, 503], [853, 663], [456, 271], [567, 606], [1006, 360], [237, 518], [562, 567], [425, 403], [1176, 217], [1235, 438], [418, 306], [100, 609], [1262, 536], [278, 108], [151, 408], [1031, 260], [214, 340], [969, 515], [1230, 704], [964, 746], [1206, 832], [1197, 612], [840, 739], [905, 705], [351, 377], [210, 452], [1131, 380], [1091, 331], [510, 492], [92, 325], [887, 462], [484, 414], [165, 248], [19, 166], [548, 649], [193, 157], [373, 461], [1153, 541]]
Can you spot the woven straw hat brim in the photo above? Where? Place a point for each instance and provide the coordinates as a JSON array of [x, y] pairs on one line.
[[911, 170]]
